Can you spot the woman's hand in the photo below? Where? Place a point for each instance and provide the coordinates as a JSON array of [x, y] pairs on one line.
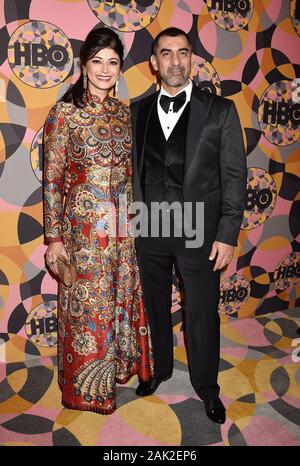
[[54, 250]]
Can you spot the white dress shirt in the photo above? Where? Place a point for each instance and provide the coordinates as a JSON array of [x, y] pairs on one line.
[[169, 120]]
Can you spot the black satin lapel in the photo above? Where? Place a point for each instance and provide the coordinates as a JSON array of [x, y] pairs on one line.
[[142, 126], [199, 109]]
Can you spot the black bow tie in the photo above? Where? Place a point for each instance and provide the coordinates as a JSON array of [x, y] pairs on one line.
[[178, 101]]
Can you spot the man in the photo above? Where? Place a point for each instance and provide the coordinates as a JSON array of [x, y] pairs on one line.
[[188, 149]]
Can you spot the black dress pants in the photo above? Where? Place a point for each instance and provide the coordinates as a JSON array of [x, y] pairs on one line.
[[156, 257]]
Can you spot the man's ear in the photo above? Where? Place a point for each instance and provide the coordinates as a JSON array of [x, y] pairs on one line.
[[154, 62]]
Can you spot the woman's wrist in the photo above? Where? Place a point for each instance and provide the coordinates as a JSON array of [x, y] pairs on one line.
[[53, 240]]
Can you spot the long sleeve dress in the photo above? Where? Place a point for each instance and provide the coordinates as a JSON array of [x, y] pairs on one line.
[[103, 333]]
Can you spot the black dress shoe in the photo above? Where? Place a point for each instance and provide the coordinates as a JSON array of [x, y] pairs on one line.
[[215, 411], [147, 388]]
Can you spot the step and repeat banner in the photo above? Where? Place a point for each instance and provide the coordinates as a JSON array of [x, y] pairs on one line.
[[245, 50]]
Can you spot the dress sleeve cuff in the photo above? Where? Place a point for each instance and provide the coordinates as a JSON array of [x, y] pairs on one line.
[[53, 240]]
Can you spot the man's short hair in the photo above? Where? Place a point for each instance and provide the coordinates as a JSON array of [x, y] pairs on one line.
[[169, 32]]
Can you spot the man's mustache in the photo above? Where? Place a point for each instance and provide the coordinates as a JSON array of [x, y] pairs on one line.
[[176, 69]]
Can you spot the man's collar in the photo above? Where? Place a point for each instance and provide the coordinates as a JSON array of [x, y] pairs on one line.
[[188, 89]]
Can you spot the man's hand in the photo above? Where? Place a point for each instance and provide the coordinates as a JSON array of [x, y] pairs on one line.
[[67, 183], [223, 252], [54, 250]]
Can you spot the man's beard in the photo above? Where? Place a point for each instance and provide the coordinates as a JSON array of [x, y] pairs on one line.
[[177, 80]]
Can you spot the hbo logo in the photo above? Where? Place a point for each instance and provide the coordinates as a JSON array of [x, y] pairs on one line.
[[233, 294], [40, 55], [280, 113], [44, 61], [262, 198], [232, 6], [289, 271], [45, 325]]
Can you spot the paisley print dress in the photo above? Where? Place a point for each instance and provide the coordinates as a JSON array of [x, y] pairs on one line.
[[103, 333]]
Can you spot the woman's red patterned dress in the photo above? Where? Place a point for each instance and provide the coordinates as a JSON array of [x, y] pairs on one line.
[[103, 329]]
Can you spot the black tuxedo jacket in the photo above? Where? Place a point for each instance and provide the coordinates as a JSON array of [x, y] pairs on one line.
[[215, 163]]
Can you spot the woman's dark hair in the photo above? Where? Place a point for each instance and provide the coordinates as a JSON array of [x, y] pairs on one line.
[[97, 39]]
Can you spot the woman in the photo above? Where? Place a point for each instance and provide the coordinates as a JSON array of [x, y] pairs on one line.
[[103, 329]]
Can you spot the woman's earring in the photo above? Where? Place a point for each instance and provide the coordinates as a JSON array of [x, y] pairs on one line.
[[116, 88], [85, 81]]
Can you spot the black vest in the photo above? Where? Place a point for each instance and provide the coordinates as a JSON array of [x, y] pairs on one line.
[[164, 160]]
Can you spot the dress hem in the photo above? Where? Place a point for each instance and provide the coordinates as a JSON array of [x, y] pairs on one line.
[[94, 409]]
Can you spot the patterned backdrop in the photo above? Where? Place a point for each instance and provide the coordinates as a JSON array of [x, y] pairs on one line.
[[246, 50]]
